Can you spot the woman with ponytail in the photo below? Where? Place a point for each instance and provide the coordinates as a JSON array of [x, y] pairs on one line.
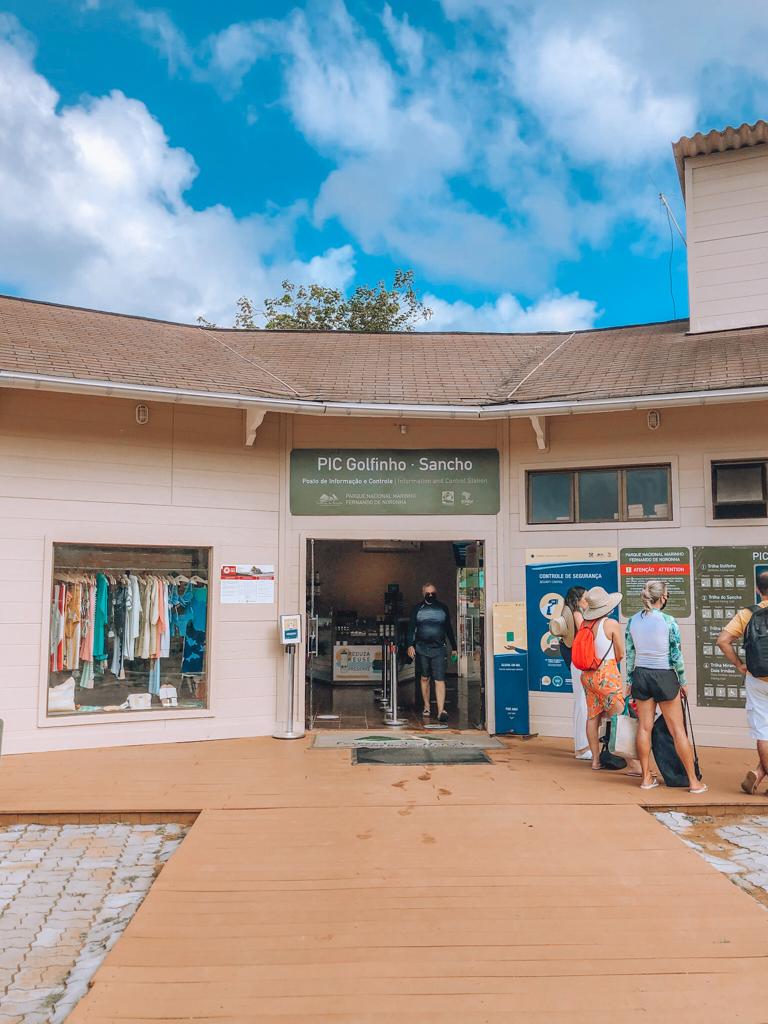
[[656, 672]]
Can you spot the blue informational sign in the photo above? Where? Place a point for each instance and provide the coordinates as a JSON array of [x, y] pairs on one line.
[[510, 677], [546, 584]]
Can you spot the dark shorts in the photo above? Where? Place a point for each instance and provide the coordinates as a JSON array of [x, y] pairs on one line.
[[659, 684], [433, 665]]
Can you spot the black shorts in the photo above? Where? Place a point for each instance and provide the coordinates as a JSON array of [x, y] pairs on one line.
[[433, 665], [659, 684]]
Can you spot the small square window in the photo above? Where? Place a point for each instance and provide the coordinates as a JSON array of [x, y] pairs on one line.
[[598, 491], [739, 490], [648, 494], [550, 497]]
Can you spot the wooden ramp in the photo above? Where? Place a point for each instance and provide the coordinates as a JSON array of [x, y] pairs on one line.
[[310, 890]]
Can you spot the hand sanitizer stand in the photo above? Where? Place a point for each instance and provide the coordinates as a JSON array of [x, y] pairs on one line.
[[290, 638]]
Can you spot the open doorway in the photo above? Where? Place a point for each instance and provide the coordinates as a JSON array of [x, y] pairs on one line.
[[359, 597]]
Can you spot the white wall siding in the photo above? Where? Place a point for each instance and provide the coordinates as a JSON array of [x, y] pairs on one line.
[[81, 469], [727, 220]]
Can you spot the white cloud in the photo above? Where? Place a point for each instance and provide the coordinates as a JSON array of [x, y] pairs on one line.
[[232, 52], [553, 312], [396, 151], [161, 32], [407, 41], [92, 209], [597, 105], [340, 91]]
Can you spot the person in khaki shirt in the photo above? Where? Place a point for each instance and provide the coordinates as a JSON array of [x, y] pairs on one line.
[[756, 686]]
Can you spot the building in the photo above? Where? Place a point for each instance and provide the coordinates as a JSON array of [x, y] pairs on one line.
[[202, 464]]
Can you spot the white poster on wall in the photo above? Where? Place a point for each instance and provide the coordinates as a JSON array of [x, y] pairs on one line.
[[248, 584]]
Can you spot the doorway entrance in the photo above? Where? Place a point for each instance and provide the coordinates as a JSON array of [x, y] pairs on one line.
[[359, 599]]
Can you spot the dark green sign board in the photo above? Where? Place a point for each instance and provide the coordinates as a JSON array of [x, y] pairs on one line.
[[724, 581], [394, 482], [673, 565]]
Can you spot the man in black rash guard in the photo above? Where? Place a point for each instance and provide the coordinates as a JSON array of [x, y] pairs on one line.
[[428, 630]]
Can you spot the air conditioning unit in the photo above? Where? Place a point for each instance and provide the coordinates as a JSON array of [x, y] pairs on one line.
[[386, 546]]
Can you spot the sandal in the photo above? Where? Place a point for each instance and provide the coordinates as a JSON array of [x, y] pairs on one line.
[[654, 785], [750, 782], [698, 792]]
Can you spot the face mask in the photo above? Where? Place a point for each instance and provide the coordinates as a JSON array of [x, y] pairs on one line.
[[429, 598]]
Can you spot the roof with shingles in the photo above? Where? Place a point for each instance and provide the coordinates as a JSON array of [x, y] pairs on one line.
[[68, 344]]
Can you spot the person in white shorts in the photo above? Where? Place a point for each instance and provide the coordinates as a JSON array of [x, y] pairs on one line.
[[757, 686]]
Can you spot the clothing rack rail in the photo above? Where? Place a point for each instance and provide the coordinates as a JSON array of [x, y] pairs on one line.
[[122, 568]]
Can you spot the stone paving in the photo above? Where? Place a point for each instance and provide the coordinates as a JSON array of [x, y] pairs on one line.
[[736, 845], [67, 892]]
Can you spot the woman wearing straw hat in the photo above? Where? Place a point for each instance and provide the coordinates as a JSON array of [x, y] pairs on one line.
[[564, 627], [602, 682]]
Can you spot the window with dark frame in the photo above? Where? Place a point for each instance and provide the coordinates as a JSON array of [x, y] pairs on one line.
[[602, 494], [739, 489]]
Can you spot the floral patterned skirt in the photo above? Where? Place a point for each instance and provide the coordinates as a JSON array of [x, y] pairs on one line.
[[604, 690]]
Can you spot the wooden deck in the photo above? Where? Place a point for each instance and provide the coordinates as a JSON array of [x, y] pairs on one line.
[[310, 890]]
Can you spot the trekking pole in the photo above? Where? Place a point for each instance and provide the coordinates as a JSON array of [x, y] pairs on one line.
[[391, 718]]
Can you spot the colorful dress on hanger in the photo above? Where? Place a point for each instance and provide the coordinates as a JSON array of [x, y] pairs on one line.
[[196, 600], [101, 616]]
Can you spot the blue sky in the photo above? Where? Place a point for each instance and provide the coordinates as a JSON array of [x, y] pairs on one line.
[[165, 160]]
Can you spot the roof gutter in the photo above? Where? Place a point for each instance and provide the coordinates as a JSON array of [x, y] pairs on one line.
[[308, 407]]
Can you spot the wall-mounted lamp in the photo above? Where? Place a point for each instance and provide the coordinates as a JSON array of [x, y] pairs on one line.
[[654, 419], [142, 414], [403, 428]]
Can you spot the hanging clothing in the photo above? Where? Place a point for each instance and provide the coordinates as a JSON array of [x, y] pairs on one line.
[[89, 604], [154, 677], [194, 651], [145, 625], [72, 628], [58, 607], [174, 608], [118, 606], [101, 616], [165, 633], [132, 617], [86, 676], [159, 626], [195, 635]]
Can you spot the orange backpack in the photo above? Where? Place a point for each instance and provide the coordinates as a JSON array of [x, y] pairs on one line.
[[583, 654]]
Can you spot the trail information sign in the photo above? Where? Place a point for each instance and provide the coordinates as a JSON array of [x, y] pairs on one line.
[[724, 581]]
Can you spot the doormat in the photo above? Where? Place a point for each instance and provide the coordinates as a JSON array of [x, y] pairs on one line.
[[419, 755], [352, 739]]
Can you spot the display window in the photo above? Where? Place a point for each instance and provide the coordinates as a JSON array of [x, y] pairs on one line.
[[128, 629]]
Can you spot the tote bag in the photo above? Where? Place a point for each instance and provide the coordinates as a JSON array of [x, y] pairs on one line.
[[623, 735]]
